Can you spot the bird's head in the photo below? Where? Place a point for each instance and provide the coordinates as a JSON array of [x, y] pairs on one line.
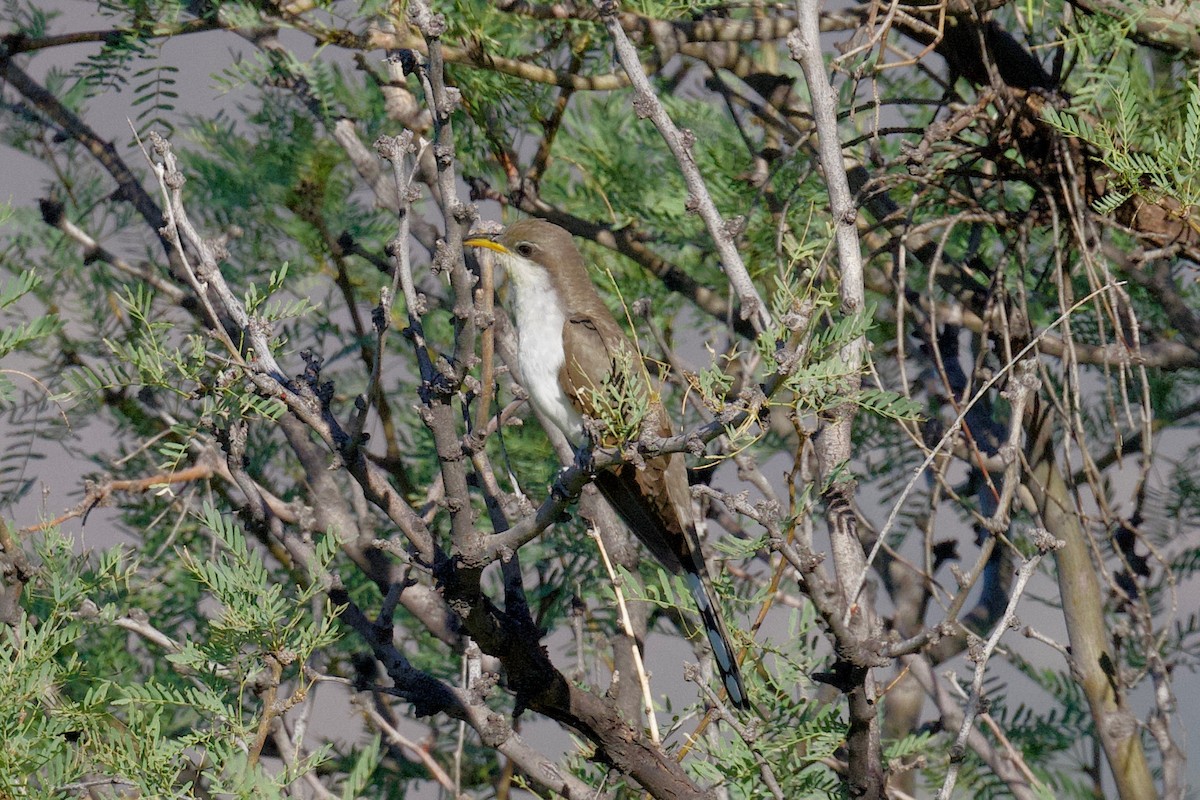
[[532, 248]]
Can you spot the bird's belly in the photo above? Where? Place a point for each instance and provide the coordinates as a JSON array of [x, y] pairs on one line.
[[540, 354], [541, 362]]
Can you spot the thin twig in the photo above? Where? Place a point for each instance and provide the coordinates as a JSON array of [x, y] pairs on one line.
[[627, 627], [680, 142], [1045, 543], [954, 428]]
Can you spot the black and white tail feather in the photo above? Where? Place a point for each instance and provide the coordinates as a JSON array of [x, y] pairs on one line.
[[718, 639]]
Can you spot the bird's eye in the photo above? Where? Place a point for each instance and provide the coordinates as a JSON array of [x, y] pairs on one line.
[[525, 249]]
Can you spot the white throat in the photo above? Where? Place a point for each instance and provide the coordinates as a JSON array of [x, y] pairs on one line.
[[539, 317]]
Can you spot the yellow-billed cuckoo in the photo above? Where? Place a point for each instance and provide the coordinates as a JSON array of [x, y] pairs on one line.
[[569, 347]]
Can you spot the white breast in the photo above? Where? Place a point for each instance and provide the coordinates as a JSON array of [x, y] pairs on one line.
[[539, 318]]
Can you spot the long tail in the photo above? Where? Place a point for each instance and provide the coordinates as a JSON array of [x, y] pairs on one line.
[[718, 638]]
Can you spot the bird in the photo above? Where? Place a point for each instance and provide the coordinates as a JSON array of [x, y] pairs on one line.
[[569, 349]]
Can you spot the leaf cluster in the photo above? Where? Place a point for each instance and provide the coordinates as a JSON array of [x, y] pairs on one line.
[[79, 713]]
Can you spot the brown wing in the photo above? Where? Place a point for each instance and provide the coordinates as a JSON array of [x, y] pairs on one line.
[[653, 500], [597, 345]]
